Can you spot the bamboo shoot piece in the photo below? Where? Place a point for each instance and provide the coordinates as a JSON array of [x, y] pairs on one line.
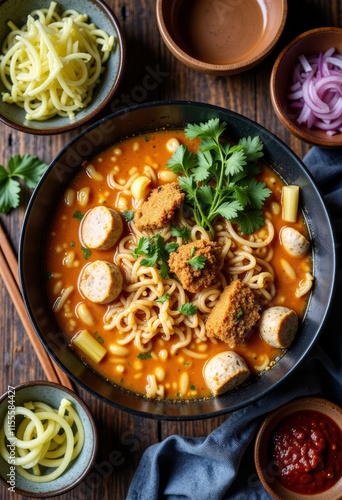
[[289, 202], [89, 345]]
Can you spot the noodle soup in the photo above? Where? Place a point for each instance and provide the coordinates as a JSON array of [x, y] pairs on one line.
[[143, 340]]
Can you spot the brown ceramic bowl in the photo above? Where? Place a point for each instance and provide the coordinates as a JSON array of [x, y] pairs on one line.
[[51, 394], [221, 38], [265, 466], [102, 16], [311, 42]]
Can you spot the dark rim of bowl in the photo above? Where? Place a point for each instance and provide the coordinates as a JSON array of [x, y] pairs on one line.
[[119, 75], [90, 417], [199, 409]]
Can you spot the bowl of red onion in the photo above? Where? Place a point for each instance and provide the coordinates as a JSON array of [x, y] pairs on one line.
[[306, 86]]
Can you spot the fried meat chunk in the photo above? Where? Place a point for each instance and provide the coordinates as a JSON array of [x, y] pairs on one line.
[[192, 278], [159, 208], [234, 315]]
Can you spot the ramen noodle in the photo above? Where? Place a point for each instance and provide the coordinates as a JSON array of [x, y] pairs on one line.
[[148, 343], [46, 440], [52, 64]]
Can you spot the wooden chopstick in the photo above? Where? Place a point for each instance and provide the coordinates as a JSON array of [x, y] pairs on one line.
[[10, 275]]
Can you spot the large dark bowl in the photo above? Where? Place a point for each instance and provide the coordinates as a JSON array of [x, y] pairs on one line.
[[142, 119]]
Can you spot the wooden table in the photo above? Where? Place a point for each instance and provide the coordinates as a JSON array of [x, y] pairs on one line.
[[124, 437]]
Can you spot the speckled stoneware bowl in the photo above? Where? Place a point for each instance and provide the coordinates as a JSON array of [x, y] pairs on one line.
[[264, 466], [51, 394], [99, 14]]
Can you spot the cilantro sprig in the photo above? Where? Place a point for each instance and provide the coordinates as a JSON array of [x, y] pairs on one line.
[[220, 179], [27, 168], [156, 253]]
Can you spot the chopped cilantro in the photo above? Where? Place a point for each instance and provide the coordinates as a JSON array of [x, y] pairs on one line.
[[188, 309], [239, 315], [144, 355], [86, 252], [98, 337], [77, 215], [163, 298], [129, 215], [197, 262], [192, 387], [187, 363], [27, 168], [146, 138], [181, 232], [219, 180], [48, 275], [72, 244], [156, 253]]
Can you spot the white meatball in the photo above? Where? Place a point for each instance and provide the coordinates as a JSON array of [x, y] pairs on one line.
[[224, 371], [278, 326], [101, 282], [101, 228], [293, 241]]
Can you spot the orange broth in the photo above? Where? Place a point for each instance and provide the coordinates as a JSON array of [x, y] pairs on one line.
[[64, 259]]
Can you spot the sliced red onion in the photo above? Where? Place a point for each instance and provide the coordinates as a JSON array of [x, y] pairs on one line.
[[316, 91]]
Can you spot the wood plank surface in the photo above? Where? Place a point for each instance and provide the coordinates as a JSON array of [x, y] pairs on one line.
[[123, 437]]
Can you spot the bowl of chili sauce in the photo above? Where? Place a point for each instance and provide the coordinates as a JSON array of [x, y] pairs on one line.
[[298, 450]]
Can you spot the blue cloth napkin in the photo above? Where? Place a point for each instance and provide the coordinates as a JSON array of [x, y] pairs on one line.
[[221, 465]]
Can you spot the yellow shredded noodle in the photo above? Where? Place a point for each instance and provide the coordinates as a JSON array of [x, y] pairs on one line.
[[45, 439], [52, 64]]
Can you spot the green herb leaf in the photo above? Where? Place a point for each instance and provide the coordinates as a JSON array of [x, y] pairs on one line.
[[129, 215], [182, 232], [77, 215], [28, 168], [156, 253], [163, 298], [197, 262], [98, 337], [239, 315], [188, 309], [220, 178], [86, 252], [144, 355]]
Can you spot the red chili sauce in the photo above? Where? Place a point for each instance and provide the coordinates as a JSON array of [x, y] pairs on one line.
[[306, 452]]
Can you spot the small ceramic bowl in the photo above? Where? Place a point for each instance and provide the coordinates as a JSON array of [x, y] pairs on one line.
[[98, 13], [51, 394], [311, 42], [267, 471], [221, 38]]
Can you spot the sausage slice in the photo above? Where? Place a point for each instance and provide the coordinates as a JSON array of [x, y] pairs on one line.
[[101, 228], [224, 371], [101, 282], [278, 326]]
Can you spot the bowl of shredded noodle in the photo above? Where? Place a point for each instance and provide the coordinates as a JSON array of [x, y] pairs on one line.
[[144, 277], [60, 63], [43, 448]]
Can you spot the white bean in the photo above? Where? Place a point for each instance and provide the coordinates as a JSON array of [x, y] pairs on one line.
[[141, 187], [172, 144]]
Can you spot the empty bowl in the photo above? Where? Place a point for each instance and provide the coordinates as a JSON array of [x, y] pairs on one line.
[[221, 38]]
